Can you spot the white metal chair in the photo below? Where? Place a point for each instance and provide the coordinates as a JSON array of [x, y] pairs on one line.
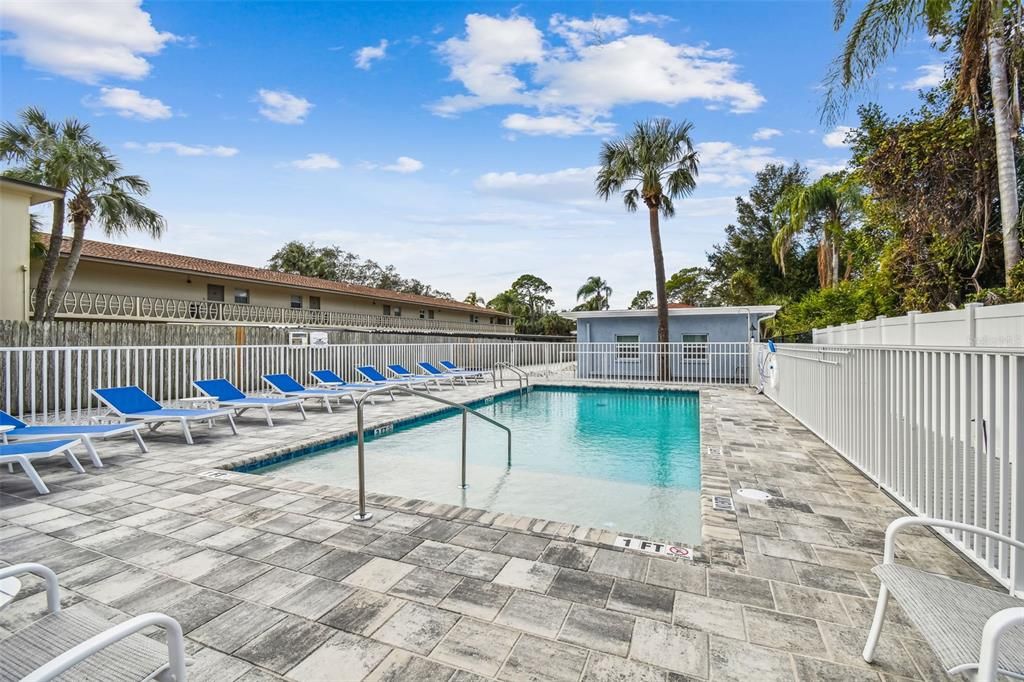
[[87, 647], [22, 454], [970, 628]]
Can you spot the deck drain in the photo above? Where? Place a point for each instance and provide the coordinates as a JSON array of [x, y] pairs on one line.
[[755, 495], [722, 503]]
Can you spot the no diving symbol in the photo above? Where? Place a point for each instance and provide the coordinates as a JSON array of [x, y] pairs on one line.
[[653, 547]]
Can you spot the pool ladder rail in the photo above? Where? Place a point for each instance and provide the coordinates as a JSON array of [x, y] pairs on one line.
[[363, 515], [521, 374]]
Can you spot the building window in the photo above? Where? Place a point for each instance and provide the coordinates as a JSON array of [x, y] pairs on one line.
[[314, 303], [490, 320], [699, 348], [423, 314], [627, 346], [215, 292], [386, 310], [296, 301], [397, 312], [474, 318], [241, 295], [430, 314]]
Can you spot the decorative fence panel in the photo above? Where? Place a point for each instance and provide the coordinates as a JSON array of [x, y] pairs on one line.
[[54, 384], [696, 363], [939, 429]]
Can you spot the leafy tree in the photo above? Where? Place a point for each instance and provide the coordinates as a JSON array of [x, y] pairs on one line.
[[596, 294], [527, 299], [532, 292], [644, 300], [654, 165], [979, 33], [473, 298], [835, 200], [306, 259], [690, 286], [738, 269]]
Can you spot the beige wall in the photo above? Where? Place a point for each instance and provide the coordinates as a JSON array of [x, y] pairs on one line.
[[14, 249], [98, 277]]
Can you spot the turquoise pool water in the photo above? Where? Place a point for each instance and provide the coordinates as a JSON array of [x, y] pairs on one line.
[[619, 459]]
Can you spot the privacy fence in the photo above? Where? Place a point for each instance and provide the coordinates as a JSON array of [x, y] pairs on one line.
[[695, 363], [939, 429]]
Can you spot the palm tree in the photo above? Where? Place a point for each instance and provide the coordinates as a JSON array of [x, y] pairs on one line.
[[883, 26], [473, 298], [835, 201], [655, 164], [97, 189], [643, 300], [44, 152], [596, 292]]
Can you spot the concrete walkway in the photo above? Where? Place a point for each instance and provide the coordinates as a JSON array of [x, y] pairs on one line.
[[271, 578]]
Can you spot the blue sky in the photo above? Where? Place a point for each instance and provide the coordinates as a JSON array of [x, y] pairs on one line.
[[454, 140]]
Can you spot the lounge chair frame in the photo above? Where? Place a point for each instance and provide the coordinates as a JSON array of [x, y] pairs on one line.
[[45, 432], [24, 460], [155, 420], [241, 405]]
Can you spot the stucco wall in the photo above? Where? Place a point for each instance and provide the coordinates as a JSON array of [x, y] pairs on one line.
[[719, 328], [14, 245], [92, 276]]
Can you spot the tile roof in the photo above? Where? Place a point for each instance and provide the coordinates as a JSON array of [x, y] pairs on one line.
[[120, 253]]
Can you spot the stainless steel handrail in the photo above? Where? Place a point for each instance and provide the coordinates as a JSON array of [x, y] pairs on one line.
[[363, 515], [521, 374]]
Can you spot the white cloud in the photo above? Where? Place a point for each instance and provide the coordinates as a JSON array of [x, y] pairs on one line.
[[574, 186], [366, 56], [404, 164], [580, 32], [283, 107], [650, 18], [316, 161], [85, 41], [766, 133], [561, 125], [130, 104], [929, 76], [819, 167], [731, 165], [836, 138], [183, 149], [505, 61]]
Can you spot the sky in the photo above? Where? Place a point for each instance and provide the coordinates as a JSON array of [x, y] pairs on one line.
[[457, 141]]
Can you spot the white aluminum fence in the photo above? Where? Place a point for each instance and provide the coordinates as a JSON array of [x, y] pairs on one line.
[[700, 363], [53, 384], [940, 429]]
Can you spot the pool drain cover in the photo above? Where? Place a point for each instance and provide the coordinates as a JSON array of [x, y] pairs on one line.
[[755, 495]]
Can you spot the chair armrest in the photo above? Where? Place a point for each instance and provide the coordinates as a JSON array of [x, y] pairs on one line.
[[991, 637], [77, 654], [899, 524], [52, 587]]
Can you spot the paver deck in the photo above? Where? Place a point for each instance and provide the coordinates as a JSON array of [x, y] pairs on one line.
[[272, 578]]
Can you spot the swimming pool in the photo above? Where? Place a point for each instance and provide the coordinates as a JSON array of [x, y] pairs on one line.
[[625, 460]]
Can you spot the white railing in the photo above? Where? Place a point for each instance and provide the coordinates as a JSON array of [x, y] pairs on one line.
[[939, 429], [697, 363], [53, 384], [92, 305]]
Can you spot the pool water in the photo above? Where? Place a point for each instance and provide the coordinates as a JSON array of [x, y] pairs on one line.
[[624, 460]]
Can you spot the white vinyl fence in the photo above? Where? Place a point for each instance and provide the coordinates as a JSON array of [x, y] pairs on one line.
[[940, 429], [54, 384], [699, 363]]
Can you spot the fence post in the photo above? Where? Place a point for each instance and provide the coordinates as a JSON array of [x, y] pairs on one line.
[[912, 327], [972, 323], [880, 321]]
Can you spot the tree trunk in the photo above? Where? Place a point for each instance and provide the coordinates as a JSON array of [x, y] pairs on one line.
[[51, 261], [835, 263], [70, 266], [1002, 114], [659, 289]]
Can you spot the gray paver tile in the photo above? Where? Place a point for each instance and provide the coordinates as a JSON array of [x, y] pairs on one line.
[[476, 646], [569, 555], [425, 585], [314, 598], [232, 575], [714, 616], [283, 646], [581, 586], [478, 537], [736, 661], [237, 626], [671, 647], [271, 586], [639, 599], [678, 575], [200, 608], [740, 588], [605, 668], [343, 656], [816, 670], [620, 564], [540, 659], [400, 666], [476, 564], [298, 554], [477, 598], [362, 612], [522, 546], [795, 634], [198, 564], [431, 554], [527, 575], [846, 644], [534, 613], [831, 579], [392, 546], [336, 565], [439, 530], [378, 574], [808, 601], [598, 629], [786, 549], [416, 627]]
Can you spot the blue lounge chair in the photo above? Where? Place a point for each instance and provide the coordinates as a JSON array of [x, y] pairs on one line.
[[87, 433], [22, 454], [402, 373], [373, 375], [228, 395], [133, 404], [434, 371], [451, 368], [327, 378], [290, 388]]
